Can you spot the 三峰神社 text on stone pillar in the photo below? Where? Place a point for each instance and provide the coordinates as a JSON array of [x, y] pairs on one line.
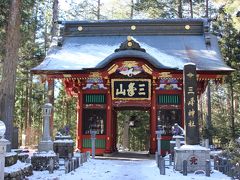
[[192, 153], [190, 105]]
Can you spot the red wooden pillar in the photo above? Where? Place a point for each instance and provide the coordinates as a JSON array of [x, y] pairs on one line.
[[153, 125], [109, 124], [114, 130], [79, 120]]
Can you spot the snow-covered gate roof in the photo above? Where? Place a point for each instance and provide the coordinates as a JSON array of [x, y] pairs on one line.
[[85, 44]]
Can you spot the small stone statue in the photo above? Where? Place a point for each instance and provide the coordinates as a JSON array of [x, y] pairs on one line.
[[177, 130]]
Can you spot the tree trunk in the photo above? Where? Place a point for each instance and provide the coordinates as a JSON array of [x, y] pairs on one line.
[[8, 83], [51, 83], [206, 9], [191, 8], [180, 9], [236, 102], [209, 113], [232, 114], [55, 19], [26, 109], [68, 113], [132, 8], [98, 9], [126, 135], [29, 116], [22, 137]]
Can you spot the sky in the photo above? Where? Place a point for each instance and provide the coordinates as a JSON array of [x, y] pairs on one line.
[[64, 5], [108, 8]]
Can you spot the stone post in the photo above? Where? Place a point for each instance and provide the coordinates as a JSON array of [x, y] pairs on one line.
[[178, 141], [161, 165], [93, 138], [158, 142], [208, 168], [51, 166], [3, 145], [185, 167], [190, 105], [191, 153], [159, 133], [206, 143], [46, 143]]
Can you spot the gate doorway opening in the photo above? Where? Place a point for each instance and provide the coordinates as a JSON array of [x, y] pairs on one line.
[[133, 131]]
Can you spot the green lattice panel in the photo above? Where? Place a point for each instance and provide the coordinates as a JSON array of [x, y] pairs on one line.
[[94, 99], [168, 99], [100, 143]]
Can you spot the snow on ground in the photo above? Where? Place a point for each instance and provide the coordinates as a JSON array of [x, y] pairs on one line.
[[102, 169], [16, 167]]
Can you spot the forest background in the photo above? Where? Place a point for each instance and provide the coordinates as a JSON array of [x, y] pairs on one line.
[[26, 31]]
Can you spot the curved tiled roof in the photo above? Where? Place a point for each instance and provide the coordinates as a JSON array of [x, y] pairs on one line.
[[168, 44]]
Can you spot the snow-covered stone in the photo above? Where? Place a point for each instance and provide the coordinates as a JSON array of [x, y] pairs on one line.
[[195, 155]]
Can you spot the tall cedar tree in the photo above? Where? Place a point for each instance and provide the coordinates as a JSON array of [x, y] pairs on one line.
[[8, 82], [51, 82], [229, 44]]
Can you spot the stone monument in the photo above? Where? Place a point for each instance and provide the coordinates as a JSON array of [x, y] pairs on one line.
[[192, 152], [3, 144], [46, 144]]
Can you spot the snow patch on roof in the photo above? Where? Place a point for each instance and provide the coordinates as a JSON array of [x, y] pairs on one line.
[[78, 53], [165, 59], [76, 56]]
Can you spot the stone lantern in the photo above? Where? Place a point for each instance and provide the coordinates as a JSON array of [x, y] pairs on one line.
[[41, 159], [46, 143], [3, 144]]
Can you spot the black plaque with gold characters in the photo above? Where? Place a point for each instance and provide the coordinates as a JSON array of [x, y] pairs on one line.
[[131, 89], [190, 104]]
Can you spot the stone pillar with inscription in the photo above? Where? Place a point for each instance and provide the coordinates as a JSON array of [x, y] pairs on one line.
[[192, 152], [190, 105]]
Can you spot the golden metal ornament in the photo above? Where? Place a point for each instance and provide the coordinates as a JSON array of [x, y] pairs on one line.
[[129, 64], [190, 75], [95, 74], [133, 27], [112, 69], [165, 75], [147, 69], [129, 38], [130, 44], [187, 27], [80, 28], [67, 75]]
